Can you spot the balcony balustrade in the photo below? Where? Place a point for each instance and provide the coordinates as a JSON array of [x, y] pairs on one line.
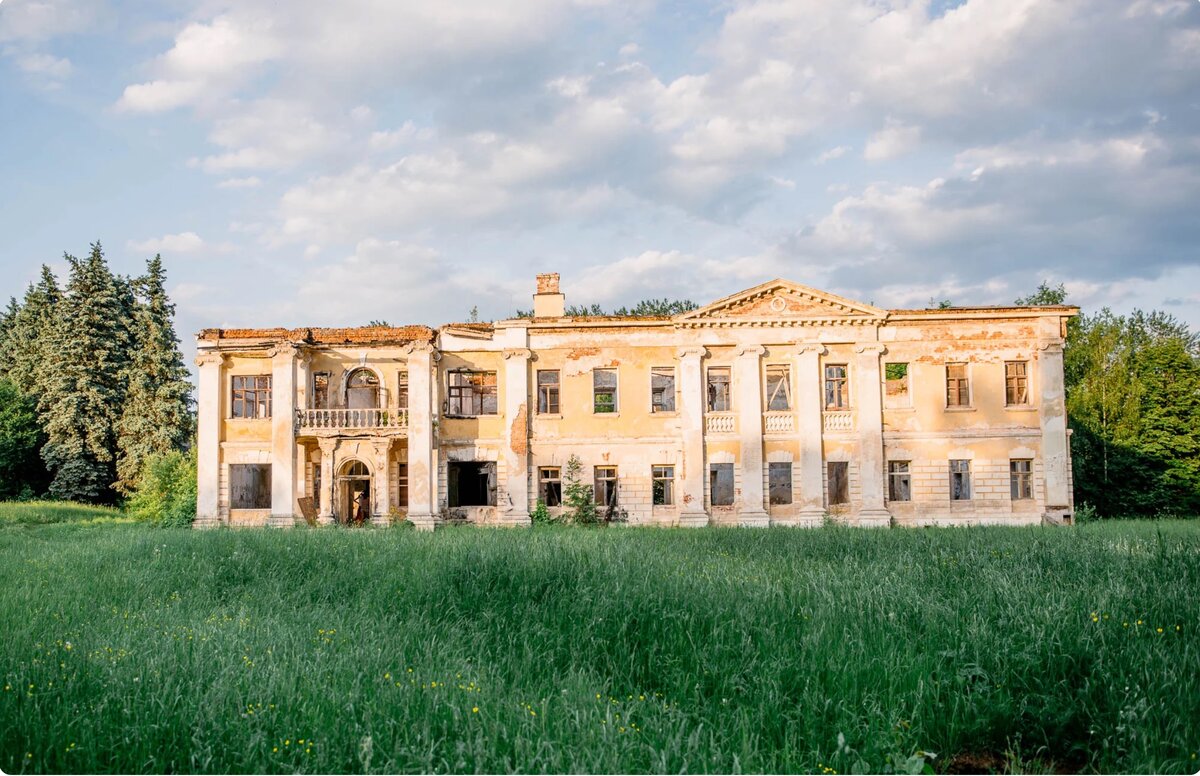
[[839, 421], [720, 423], [779, 423], [339, 419]]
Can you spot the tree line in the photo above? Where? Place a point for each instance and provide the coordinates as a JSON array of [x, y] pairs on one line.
[[93, 387]]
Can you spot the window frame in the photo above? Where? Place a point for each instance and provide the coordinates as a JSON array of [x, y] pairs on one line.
[[475, 392], [1021, 381], [901, 399], [597, 408], [844, 480], [612, 486], [714, 469], [712, 395], [262, 396], [662, 480], [319, 399], [660, 408], [1020, 481], [402, 389], [544, 481], [401, 485], [960, 385], [549, 395], [785, 383], [784, 466], [837, 388], [899, 473], [961, 468]]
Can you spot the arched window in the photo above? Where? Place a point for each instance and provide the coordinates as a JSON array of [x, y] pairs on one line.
[[362, 390], [357, 469]]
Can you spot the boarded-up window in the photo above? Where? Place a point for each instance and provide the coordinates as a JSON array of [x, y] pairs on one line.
[[402, 486], [837, 397], [550, 486], [1016, 383], [471, 393], [839, 482], [779, 481], [250, 486], [662, 389], [663, 485], [1021, 478], [471, 484], [547, 386], [606, 486], [604, 390], [958, 390], [779, 387], [718, 389], [720, 483], [960, 480], [895, 393], [251, 396], [402, 390], [899, 481]]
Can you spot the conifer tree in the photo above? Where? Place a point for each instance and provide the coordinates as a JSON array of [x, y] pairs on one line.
[[156, 417], [27, 327], [82, 393]]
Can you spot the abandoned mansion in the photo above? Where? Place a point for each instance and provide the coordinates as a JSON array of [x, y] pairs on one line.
[[778, 405]]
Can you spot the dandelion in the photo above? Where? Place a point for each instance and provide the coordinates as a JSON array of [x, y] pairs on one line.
[[274, 749], [474, 709], [1159, 630]]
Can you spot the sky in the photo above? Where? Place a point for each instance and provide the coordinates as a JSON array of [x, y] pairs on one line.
[[313, 163]]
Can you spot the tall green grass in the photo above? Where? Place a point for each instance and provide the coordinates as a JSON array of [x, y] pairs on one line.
[[16, 513], [608, 650]]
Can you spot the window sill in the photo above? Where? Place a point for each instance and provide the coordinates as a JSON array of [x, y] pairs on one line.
[[960, 409], [606, 414], [549, 416], [471, 417], [908, 408], [247, 420], [664, 414], [1020, 408]]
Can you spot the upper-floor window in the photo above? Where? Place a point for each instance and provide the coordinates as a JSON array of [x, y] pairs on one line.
[[837, 395], [719, 399], [547, 387], [402, 390], [362, 390], [895, 386], [251, 396], [1016, 383], [471, 393], [604, 390], [958, 387], [320, 396], [779, 387], [662, 389]]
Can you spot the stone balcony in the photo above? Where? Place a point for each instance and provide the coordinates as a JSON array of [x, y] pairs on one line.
[[336, 422]]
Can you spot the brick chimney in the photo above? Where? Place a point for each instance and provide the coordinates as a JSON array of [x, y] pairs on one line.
[[548, 302]]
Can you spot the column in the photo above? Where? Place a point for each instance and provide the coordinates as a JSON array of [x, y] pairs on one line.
[[811, 427], [327, 445], [283, 436], [208, 440], [869, 398], [1052, 413], [516, 448], [422, 457], [381, 499], [691, 418], [747, 402]]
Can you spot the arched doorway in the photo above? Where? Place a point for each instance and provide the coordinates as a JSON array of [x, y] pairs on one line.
[[362, 390], [354, 493]]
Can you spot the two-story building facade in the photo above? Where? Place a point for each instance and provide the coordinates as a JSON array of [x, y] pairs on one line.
[[778, 405]]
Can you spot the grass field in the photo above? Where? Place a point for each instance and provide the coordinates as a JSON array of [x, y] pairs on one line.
[[604, 650]]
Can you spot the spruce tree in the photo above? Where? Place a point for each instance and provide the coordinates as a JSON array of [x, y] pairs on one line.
[[82, 394], [27, 329], [156, 417]]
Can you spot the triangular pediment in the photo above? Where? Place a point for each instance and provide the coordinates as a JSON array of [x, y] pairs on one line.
[[782, 302]]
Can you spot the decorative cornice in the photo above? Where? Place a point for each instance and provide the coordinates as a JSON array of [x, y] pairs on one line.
[[525, 353]]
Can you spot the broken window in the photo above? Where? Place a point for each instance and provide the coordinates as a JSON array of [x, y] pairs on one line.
[[895, 393], [1016, 382], [471, 393], [662, 389], [471, 484], [547, 386], [251, 396], [958, 389], [1020, 472], [362, 390], [663, 485], [839, 482], [606, 486], [779, 482], [550, 486], [604, 390], [718, 389], [320, 395], [402, 390], [779, 387], [836, 395], [960, 480], [402, 485], [720, 479], [899, 481], [250, 486]]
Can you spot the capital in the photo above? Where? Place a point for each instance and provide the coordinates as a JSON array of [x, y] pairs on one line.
[[691, 352], [285, 349], [871, 348], [327, 444], [751, 351], [811, 347], [1051, 346], [525, 353], [210, 359]]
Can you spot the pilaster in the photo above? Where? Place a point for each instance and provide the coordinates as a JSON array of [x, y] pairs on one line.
[[208, 440], [810, 425], [691, 416], [747, 379], [870, 434], [422, 456], [516, 448], [328, 446], [283, 435], [1052, 413], [381, 500]]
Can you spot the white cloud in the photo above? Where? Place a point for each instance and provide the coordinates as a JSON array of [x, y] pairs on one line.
[[45, 65], [895, 139], [184, 242], [160, 95], [407, 133], [836, 152], [250, 182]]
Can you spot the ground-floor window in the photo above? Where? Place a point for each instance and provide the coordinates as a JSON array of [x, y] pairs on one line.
[[550, 486], [720, 484], [899, 481], [606, 486], [839, 482], [402, 486], [1021, 478], [779, 482], [250, 486], [471, 484], [663, 485], [960, 480]]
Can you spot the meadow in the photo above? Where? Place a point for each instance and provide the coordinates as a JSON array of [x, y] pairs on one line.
[[133, 649]]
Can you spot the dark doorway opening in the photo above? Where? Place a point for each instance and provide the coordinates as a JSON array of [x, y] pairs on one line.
[[471, 483]]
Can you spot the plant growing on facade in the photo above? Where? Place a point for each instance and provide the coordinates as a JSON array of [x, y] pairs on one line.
[[577, 497], [541, 514]]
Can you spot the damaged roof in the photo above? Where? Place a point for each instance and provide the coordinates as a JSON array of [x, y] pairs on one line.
[[358, 335]]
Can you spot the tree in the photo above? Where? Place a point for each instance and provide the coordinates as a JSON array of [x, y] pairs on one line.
[[646, 307], [1044, 295], [156, 414], [22, 474], [26, 332], [82, 394]]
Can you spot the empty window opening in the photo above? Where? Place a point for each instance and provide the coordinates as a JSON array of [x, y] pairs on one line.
[[899, 481], [958, 389], [895, 393], [402, 486], [550, 486], [663, 486], [720, 479], [1016, 383], [320, 396], [779, 387], [662, 389], [606, 486], [471, 484], [779, 482], [548, 387], [719, 399], [836, 383], [251, 396], [250, 486], [839, 482], [402, 390], [960, 480], [471, 393], [362, 390], [1020, 472], [604, 390]]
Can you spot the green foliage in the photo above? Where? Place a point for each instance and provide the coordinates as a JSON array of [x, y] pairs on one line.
[[1044, 295], [27, 513], [541, 514], [578, 499], [26, 333], [22, 473], [944, 304], [896, 371], [165, 493], [646, 307], [722, 650]]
